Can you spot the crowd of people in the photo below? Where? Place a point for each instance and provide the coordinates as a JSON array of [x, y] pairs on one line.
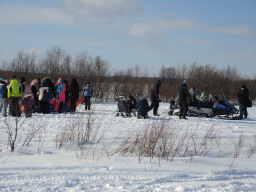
[[40, 95], [184, 99]]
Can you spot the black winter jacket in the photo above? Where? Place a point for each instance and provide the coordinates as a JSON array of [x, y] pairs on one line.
[[74, 90], [155, 93], [183, 93], [243, 96]]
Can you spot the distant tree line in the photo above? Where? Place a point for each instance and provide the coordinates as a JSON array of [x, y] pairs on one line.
[[57, 63]]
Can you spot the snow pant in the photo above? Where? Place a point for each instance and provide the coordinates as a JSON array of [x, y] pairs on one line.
[[60, 109], [183, 109], [243, 110], [87, 100], [43, 107], [154, 105], [134, 112], [65, 107], [15, 106], [3, 106], [73, 105]]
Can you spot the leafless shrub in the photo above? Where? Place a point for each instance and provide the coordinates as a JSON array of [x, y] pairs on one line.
[[238, 145], [81, 134], [164, 141], [31, 134], [13, 131], [18, 133], [208, 141], [41, 142], [252, 147]]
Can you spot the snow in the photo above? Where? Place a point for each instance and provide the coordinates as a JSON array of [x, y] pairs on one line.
[[93, 165]]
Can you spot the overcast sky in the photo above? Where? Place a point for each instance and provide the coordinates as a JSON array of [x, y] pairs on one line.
[[147, 33]]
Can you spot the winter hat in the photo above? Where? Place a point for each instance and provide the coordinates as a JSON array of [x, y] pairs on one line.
[[185, 81], [88, 82], [243, 86], [59, 81]]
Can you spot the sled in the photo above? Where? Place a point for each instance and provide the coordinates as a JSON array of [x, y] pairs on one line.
[[53, 104]]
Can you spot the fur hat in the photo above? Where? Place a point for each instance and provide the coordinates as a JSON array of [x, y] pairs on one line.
[[243, 86]]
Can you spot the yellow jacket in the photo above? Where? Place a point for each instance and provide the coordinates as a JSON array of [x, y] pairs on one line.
[[15, 89]]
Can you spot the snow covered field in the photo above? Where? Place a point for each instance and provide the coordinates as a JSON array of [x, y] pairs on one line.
[[43, 164]]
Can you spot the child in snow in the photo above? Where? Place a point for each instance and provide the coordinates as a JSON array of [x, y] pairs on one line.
[[172, 106], [28, 100]]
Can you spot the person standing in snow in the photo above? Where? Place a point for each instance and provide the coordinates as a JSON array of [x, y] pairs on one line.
[[183, 95], [43, 97], [192, 92], [23, 83], [14, 94], [35, 84], [3, 96], [73, 94], [65, 104], [88, 90], [60, 96], [28, 100], [243, 98], [155, 98], [51, 91]]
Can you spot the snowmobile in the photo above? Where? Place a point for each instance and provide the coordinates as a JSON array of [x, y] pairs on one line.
[[218, 107]]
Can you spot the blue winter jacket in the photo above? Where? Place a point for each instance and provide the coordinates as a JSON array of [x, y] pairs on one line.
[[3, 91], [59, 90], [88, 91]]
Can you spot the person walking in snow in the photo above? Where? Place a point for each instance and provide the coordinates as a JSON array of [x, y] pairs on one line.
[[28, 100], [88, 90], [155, 98], [73, 94]]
